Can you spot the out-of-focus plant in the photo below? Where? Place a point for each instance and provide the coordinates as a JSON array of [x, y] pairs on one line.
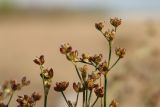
[[8, 88], [91, 80]]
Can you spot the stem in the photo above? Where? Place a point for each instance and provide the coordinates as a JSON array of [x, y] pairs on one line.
[[95, 102], [101, 102], [115, 29], [45, 91], [65, 98], [110, 52], [114, 64], [78, 73], [83, 98], [86, 97], [89, 99], [105, 91], [10, 99], [45, 101], [77, 99]]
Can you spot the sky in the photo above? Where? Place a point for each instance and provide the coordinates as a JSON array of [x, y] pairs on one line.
[[113, 4]]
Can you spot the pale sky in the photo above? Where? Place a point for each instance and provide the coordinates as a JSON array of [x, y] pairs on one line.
[[116, 4]]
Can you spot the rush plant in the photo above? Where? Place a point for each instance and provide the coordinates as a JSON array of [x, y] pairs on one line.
[[92, 84]]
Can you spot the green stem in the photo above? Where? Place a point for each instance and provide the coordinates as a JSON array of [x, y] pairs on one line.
[[45, 91], [83, 98], [86, 97], [105, 91], [78, 73], [77, 99], [45, 101], [95, 102], [110, 53], [89, 99], [101, 102], [65, 98], [114, 64], [10, 99]]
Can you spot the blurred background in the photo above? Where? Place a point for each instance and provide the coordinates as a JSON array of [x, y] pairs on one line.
[[29, 28]]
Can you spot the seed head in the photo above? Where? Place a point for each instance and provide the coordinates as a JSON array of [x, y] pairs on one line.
[[73, 56], [91, 84], [77, 87], [40, 60], [115, 22], [103, 67], [99, 26], [110, 35], [99, 91], [120, 52], [66, 48], [61, 86], [113, 104]]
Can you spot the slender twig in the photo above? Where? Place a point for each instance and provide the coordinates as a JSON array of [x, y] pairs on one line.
[[65, 98], [94, 102], [114, 64], [10, 99]]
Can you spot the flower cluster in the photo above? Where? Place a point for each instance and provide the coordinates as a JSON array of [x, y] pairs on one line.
[[28, 101], [91, 80], [61, 86]]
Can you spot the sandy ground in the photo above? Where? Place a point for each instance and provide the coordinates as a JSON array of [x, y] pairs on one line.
[[134, 82]]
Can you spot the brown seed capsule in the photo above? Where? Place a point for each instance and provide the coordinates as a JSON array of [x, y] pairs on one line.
[[73, 56], [40, 60], [99, 91], [115, 22], [120, 52], [36, 96], [15, 86], [113, 104], [25, 82], [61, 86], [84, 71], [103, 67], [65, 48], [96, 58], [77, 87], [110, 35], [99, 26], [91, 84]]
